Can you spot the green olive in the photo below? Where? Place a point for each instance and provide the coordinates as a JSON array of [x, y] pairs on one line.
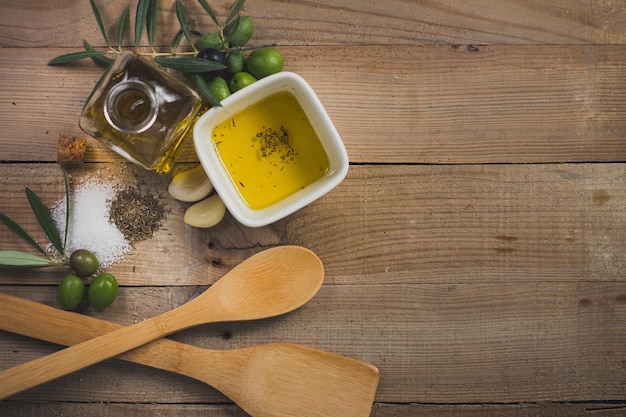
[[243, 32], [240, 80], [102, 291], [264, 61], [70, 292], [84, 263], [235, 61], [218, 87], [210, 40]]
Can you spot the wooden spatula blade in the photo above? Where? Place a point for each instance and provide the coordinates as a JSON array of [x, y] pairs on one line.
[[346, 386]]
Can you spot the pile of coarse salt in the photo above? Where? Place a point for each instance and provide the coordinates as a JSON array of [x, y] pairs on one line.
[[90, 227]]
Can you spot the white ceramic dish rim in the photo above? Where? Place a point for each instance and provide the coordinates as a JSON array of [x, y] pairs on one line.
[[323, 126]]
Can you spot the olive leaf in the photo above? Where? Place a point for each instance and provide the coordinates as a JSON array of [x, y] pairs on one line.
[[75, 56], [234, 11], [151, 22], [67, 206], [11, 224], [182, 19], [100, 80], [45, 220], [19, 259], [179, 37], [98, 16], [140, 19], [231, 28], [190, 65], [176, 40], [122, 24], [203, 89], [209, 11], [99, 58]]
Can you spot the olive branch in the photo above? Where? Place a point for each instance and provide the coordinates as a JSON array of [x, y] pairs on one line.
[[178, 58], [22, 259]]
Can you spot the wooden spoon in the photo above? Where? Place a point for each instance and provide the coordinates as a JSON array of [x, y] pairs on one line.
[[272, 282], [270, 380]]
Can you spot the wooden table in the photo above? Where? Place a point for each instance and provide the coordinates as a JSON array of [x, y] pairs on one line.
[[475, 253]]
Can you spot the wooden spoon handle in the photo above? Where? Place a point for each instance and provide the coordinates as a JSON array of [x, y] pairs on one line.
[[67, 329], [68, 360]]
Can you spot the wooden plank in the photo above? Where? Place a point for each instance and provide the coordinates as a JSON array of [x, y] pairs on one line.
[[499, 410], [433, 343], [379, 410], [497, 104], [475, 252], [108, 409], [51, 24], [394, 224], [482, 223]]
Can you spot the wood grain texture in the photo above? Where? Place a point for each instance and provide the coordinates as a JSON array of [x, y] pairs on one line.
[[382, 410], [389, 223], [475, 253], [432, 104], [326, 22], [433, 343]]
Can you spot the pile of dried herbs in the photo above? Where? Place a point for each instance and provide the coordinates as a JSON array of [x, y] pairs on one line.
[[137, 215]]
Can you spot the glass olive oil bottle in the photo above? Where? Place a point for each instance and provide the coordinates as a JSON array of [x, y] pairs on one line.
[[141, 112]]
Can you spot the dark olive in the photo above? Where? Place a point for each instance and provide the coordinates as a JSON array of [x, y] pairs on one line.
[[214, 55], [84, 263]]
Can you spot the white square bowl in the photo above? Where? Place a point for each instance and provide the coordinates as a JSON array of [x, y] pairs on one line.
[[322, 125]]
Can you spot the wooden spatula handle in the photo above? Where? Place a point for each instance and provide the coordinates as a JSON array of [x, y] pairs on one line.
[[49, 323], [67, 329], [71, 359]]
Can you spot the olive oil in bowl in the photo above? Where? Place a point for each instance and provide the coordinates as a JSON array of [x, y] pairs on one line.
[[270, 150]]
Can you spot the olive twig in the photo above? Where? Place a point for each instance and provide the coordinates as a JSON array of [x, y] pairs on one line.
[[250, 47]]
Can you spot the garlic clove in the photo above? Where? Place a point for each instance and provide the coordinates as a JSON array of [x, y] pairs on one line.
[[205, 213], [191, 185]]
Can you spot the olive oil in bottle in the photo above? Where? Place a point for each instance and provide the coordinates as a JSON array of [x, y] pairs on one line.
[[141, 112]]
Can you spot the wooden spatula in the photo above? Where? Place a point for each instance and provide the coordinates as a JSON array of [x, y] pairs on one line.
[[271, 380]]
